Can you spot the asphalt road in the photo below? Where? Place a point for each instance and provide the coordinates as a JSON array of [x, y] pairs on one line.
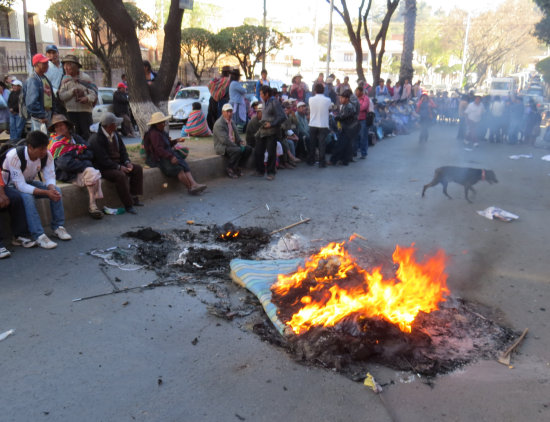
[[159, 355]]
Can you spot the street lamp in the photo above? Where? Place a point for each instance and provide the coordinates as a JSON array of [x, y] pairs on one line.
[[27, 41], [265, 35], [329, 47]]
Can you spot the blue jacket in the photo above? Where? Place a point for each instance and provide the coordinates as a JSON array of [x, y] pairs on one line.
[[33, 92]]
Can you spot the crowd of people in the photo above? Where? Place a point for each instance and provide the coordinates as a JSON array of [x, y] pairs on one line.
[[330, 125]]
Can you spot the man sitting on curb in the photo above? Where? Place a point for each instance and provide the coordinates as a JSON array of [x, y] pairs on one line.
[[112, 160], [163, 152], [23, 165], [228, 143], [11, 201]]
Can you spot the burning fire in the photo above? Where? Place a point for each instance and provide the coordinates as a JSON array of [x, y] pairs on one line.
[[229, 235], [332, 287]]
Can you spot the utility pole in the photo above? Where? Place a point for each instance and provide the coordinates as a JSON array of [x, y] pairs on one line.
[[263, 44], [465, 51], [27, 41], [329, 47]]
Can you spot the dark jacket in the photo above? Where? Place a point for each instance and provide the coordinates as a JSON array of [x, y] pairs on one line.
[[13, 102], [99, 145], [34, 96], [121, 105], [275, 115], [68, 165], [157, 145]]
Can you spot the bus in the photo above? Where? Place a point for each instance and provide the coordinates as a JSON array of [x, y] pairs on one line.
[[504, 86]]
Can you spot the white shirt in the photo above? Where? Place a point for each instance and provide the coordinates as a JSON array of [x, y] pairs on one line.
[[497, 108], [54, 74], [21, 180], [474, 112], [319, 106]]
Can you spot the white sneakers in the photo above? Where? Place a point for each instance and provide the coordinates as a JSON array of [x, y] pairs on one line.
[[62, 234], [23, 241], [45, 242], [4, 253]]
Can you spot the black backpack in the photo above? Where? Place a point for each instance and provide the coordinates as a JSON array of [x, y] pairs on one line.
[[20, 148]]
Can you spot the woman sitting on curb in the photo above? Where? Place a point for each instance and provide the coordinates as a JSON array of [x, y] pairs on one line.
[[196, 123], [162, 152], [73, 161]]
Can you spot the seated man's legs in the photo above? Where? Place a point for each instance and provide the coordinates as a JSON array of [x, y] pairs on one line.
[[136, 181], [120, 179], [56, 208], [16, 209]]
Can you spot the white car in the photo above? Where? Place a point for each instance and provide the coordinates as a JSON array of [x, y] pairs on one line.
[[181, 105], [104, 102]]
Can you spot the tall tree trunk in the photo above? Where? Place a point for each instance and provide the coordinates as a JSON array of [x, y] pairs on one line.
[[145, 99], [407, 71], [106, 68]]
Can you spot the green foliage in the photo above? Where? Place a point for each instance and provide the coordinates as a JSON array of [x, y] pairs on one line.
[[542, 28], [6, 4], [543, 67], [245, 44], [201, 49]]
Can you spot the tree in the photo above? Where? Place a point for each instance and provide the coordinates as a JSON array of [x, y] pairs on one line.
[[376, 45], [145, 99], [246, 44], [542, 28], [543, 67], [497, 43], [81, 18], [202, 49], [406, 71]]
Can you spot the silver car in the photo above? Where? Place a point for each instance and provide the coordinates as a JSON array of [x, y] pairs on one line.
[[181, 105], [104, 102]]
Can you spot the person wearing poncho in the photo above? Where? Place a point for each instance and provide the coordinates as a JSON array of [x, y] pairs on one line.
[[196, 123], [73, 161]]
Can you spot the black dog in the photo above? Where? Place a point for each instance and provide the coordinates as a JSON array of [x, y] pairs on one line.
[[466, 176]]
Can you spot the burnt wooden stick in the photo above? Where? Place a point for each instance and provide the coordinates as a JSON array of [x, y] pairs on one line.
[[505, 357], [290, 226]]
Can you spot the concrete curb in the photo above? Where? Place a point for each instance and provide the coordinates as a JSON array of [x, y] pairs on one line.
[[75, 199]]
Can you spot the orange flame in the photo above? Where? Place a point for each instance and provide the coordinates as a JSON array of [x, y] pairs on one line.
[[417, 286], [229, 235]]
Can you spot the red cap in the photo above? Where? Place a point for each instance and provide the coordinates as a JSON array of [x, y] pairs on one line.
[[121, 85], [39, 58]]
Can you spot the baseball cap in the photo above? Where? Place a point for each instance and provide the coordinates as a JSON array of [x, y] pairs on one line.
[[121, 85], [109, 118], [259, 107], [227, 106], [300, 104], [51, 47], [39, 58]]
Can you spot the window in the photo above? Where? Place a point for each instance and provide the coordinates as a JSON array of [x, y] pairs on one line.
[[64, 37], [8, 24], [348, 57]]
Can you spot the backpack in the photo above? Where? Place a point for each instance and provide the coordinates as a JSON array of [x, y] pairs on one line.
[[20, 148]]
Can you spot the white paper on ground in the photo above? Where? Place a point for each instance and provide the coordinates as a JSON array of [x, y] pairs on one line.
[[498, 213], [517, 157]]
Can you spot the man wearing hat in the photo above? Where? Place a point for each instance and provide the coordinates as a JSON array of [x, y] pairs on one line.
[[38, 94], [55, 68], [302, 130], [228, 143], [349, 129], [121, 108], [17, 123], [111, 158], [79, 94]]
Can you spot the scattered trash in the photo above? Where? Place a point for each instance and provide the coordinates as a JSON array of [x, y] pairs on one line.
[[190, 222], [48, 292], [468, 149], [159, 381], [6, 334], [113, 211], [146, 234], [197, 265], [195, 341], [517, 157], [117, 257], [493, 212], [545, 158], [125, 303], [370, 382]]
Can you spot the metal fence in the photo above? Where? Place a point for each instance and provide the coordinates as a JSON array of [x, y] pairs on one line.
[[16, 64]]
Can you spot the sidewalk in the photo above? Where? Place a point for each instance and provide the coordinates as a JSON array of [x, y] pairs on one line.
[[204, 162]]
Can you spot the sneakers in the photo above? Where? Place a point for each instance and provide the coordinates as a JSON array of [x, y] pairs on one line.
[[45, 242], [62, 234], [23, 241], [131, 210], [4, 253]]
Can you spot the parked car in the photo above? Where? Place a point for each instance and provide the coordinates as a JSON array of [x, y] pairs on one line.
[[104, 102], [181, 105]]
